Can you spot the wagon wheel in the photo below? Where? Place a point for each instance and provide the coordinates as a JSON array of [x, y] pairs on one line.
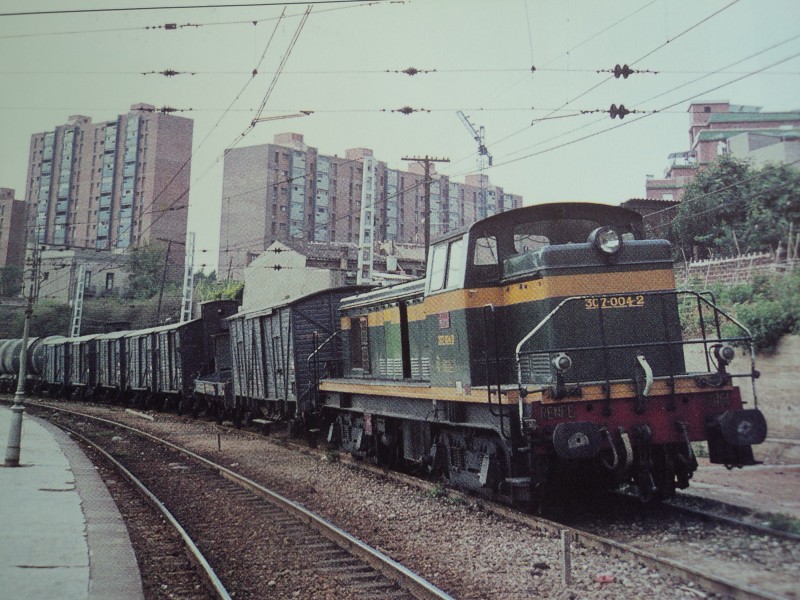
[[193, 407]]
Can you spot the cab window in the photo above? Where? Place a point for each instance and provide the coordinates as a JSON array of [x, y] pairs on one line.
[[447, 266]]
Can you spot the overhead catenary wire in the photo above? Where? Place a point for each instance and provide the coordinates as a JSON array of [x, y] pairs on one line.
[[107, 9], [179, 26], [644, 116], [183, 166], [611, 77], [179, 207]]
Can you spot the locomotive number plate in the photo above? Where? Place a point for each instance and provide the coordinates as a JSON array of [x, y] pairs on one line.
[[614, 302]]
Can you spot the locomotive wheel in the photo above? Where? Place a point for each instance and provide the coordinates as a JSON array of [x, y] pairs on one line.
[[664, 474]]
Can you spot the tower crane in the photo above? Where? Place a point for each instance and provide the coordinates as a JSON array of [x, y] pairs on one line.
[[478, 135]]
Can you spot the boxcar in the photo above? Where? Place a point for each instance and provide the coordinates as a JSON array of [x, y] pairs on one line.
[[55, 375], [111, 364], [82, 360], [270, 350]]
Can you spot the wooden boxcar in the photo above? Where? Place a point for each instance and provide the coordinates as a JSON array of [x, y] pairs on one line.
[[55, 375], [111, 363], [270, 350], [82, 361]]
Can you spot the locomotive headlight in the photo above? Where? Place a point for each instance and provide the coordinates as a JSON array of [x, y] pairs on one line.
[[606, 239], [562, 362], [724, 353]]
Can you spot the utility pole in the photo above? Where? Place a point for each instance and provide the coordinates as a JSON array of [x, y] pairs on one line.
[[426, 162], [15, 428], [163, 281]]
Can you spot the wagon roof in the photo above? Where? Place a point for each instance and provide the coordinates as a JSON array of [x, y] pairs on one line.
[[157, 329], [265, 310], [114, 335], [386, 294]]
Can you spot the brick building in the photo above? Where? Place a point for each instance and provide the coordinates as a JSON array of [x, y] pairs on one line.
[[12, 227], [290, 191], [111, 185], [724, 129]]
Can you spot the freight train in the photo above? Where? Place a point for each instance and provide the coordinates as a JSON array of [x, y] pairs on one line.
[[546, 346]]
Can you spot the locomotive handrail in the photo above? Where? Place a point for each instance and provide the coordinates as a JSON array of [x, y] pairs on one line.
[[704, 340]]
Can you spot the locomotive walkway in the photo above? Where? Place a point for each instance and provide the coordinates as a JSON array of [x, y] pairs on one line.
[[61, 535]]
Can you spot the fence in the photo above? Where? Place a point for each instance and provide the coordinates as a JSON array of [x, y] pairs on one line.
[[739, 269]]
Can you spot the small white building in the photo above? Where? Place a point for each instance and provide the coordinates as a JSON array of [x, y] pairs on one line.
[[288, 270]]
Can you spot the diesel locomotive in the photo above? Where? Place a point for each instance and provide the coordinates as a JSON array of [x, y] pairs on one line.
[[546, 346]]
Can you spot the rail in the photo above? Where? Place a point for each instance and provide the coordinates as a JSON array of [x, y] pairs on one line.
[[404, 577], [194, 552]]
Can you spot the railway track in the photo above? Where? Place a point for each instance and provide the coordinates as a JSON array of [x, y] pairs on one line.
[[171, 565], [234, 518], [701, 555]]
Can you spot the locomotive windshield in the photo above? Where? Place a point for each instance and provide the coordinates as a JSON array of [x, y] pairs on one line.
[[535, 235], [506, 236]]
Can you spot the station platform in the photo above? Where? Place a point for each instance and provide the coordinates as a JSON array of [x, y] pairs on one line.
[[61, 535]]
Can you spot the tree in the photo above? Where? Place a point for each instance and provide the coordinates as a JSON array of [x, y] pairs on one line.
[[733, 208], [208, 288], [10, 281], [145, 269]]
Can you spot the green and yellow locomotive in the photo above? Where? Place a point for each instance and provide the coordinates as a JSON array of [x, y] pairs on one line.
[[546, 344]]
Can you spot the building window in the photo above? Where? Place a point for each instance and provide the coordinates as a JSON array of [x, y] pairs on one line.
[[109, 281]]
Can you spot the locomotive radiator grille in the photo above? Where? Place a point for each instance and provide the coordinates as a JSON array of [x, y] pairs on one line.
[[421, 368], [391, 368], [536, 368]]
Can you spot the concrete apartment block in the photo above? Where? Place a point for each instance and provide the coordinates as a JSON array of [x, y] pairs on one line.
[[289, 191]]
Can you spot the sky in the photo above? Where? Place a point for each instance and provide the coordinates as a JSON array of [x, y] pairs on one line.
[[524, 70]]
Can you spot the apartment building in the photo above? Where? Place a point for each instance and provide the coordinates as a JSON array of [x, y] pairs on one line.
[[111, 185], [288, 191], [724, 129], [12, 228]]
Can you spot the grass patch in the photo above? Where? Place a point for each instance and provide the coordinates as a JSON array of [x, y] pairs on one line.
[[782, 522], [440, 492], [700, 449], [437, 492]]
